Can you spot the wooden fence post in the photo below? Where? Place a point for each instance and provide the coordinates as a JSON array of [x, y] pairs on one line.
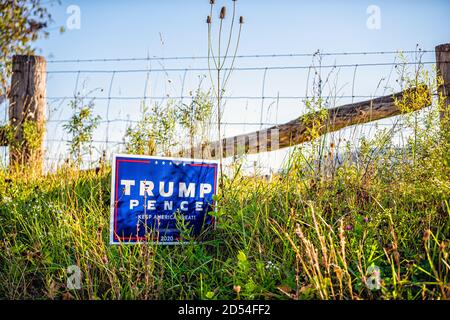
[[443, 71], [27, 111]]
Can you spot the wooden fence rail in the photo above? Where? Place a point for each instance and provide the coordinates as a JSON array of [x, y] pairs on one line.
[[306, 127]]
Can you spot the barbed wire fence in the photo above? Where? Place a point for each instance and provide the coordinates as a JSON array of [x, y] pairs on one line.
[[265, 90]]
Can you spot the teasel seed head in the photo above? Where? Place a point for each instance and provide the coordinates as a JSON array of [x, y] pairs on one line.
[[241, 20], [212, 1], [223, 12], [208, 19]]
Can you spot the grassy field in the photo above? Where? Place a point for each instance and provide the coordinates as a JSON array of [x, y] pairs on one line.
[[367, 224], [311, 232]]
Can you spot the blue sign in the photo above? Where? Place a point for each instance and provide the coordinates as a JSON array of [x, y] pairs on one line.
[[160, 200]]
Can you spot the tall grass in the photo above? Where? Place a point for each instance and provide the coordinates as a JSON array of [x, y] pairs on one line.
[[316, 230]]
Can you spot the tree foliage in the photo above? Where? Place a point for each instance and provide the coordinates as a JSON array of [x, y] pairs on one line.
[[22, 22]]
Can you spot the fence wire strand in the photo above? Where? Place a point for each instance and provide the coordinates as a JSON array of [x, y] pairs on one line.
[[266, 100], [274, 55]]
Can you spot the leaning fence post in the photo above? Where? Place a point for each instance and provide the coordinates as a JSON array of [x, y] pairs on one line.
[[443, 71], [27, 111]]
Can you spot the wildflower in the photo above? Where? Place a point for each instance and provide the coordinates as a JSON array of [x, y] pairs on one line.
[[375, 272], [212, 1], [208, 19], [366, 219], [271, 266], [241, 20], [237, 289], [349, 227]]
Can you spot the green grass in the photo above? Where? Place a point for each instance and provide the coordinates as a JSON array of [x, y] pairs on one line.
[[314, 231], [306, 234]]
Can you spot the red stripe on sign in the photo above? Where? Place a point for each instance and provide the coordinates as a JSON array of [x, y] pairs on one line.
[[213, 220], [129, 160], [202, 165], [116, 203], [215, 192], [137, 238], [116, 200]]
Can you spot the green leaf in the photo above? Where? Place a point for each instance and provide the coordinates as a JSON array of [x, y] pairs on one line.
[[241, 256]]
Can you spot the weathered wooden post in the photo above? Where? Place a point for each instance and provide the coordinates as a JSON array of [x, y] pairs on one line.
[[27, 111], [443, 71]]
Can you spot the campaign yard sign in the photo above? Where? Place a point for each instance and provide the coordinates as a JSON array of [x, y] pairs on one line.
[[152, 198]]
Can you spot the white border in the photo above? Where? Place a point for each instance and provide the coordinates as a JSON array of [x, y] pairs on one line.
[[113, 191]]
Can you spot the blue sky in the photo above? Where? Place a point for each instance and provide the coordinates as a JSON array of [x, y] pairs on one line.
[[128, 28], [121, 29]]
